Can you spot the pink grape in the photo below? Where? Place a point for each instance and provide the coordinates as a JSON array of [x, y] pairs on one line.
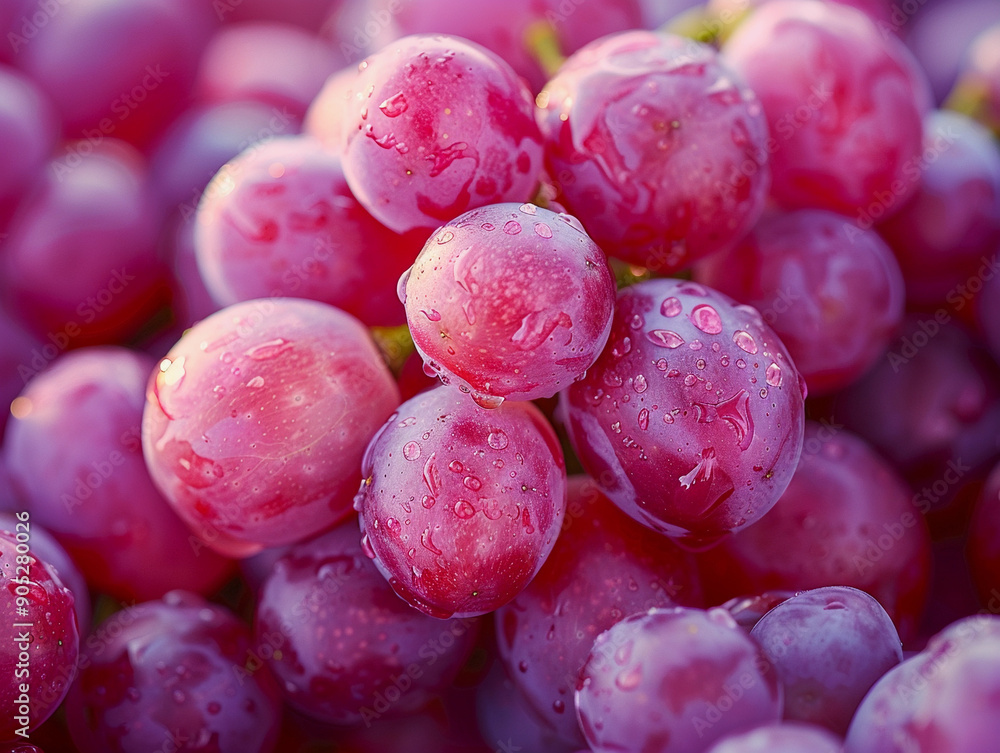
[[832, 292], [279, 220], [28, 131], [656, 146], [691, 419], [843, 105], [786, 737], [438, 126], [174, 674], [73, 450], [460, 506], [674, 681], [604, 567], [256, 420], [829, 646], [509, 302], [846, 519], [40, 636], [346, 649]]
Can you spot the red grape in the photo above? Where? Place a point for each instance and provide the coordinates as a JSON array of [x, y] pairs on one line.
[[460, 506], [842, 102], [330, 109], [656, 146], [73, 451], [22, 355], [832, 292], [256, 421], [829, 646], [40, 637], [280, 65], [604, 567], [28, 131], [846, 519], [944, 233], [984, 543], [438, 126], [691, 420], [346, 649], [173, 675], [674, 681], [509, 302]]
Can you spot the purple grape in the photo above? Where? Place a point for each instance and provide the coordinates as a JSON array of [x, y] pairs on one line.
[[204, 139], [117, 67], [280, 220], [508, 722], [674, 681], [91, 210], [73, 450], [22, 355], [984, 543], [829, 646], [946, 698], [438, 126], [345, 648], [511, 302], [256, 420], [656, 146], [846, 518], [28, 131], [832, 292], [945, 232], [40, 637], [843, 104], [691, 420], [604, 567], [787, 737], [177, 674], [277, 64], [460, 506]]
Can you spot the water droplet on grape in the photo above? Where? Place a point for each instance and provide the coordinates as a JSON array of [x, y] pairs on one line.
[[455, 467], [472, 483], [464, 509], [257, 381], [630, 679], [707, 319], [671, 307], [411, 451], [513, 227], [529, 209], [444, 237], [665, 338], [497, 439], [644, 419], [745, 342], [542, 230], [773, 375], [489, 402], [394, 106], [433, 315], [393, 525]]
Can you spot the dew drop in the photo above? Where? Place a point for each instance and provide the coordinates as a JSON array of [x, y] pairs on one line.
[[773, 375], [542, 230], [433, 315], [707, 319], [257, 381], [636, 321], [662, 364], [741, 364], [630, 679], [427, 501], [489, 402], [393, 525], [559, 707], [644, 419], [745, 342], [464, 509], [513, 227], [270, 349], [445, 237], [497, 439], [665, 338], [472, 483], [616, 427], [529, 209], [639, 384], [411, 451], [671, 307], [668, 418], [394, 106]]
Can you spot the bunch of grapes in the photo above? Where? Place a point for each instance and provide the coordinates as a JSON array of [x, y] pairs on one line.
[[555, 376]]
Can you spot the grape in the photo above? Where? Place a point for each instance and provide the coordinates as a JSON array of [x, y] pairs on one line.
[[192, 301], [413, 379], [829, 646], [40, 637], [691, 420], [91, 211], [460, 506], [19, 748], [507, 721], [256, 420], [273, 63], [45, 548], [175, 674], [946, 230], [748, 610], [518, 31], [832, 292], [791, 737], [21, 355], [984, 543], [73, 450], [28, 131], [845, 519], [204, 139], [346, 649], [510, 302], [673, 681], [656, 146], [943, 699], [842, 102], [438, 126], [116, 67], [932, 406], [603, 568], [330, 109], [280, 220], [880, 11], [977, 91], [307, 14]]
